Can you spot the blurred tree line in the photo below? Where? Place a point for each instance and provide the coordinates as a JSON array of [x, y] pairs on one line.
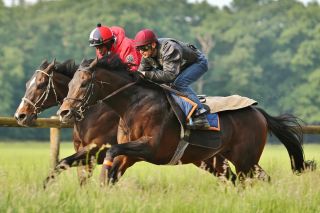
[[263, 49]]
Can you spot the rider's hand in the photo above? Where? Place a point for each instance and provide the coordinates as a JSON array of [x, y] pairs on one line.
[[143, 72], [138, 75]]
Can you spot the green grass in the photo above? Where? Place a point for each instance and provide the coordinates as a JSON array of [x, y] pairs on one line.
[[150, 188]]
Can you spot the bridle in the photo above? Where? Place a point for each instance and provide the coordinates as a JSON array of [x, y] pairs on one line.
[[41, 100], [84, 102]]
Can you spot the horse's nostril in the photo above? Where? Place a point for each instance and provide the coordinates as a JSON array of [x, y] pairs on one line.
[[20, 117], [64, 113]]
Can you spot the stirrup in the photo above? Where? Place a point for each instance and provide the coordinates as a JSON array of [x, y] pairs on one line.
[[202, 123]]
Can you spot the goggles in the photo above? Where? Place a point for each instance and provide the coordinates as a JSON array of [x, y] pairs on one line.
[[144, 47], [95, 42], [98, 42]]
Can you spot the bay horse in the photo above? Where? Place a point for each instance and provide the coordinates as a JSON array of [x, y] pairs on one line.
[[47, 87], [97, 126], [152, 131]]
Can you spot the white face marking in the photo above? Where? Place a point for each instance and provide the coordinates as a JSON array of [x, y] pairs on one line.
[[20, 106], [33, 81]]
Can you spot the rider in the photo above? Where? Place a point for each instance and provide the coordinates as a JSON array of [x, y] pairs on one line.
[[112, 39], [167, 60]]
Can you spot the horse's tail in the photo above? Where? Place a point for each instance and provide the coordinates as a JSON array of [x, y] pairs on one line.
[[288, 130]]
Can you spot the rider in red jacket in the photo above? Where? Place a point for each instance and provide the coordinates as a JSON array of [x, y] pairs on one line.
[[113, 39]]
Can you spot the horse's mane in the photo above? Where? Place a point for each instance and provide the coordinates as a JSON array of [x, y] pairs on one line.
[[68, 67], [112, 62]]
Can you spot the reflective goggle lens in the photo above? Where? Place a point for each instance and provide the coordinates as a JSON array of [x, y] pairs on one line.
[[144, 48]]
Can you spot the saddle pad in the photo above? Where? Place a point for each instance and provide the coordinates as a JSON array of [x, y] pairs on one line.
[[186, 105], [233, 102], [208, 139], [213, 119]]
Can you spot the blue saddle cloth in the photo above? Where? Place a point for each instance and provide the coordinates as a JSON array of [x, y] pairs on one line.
[[186, 107], [213, 119]]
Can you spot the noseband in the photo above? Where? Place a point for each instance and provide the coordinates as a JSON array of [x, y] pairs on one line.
[[44, 96]]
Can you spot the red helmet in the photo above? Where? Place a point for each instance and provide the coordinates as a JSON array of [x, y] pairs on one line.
[[145, 37], [100, 35]]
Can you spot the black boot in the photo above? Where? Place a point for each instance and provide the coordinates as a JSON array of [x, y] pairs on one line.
[[199, 122]]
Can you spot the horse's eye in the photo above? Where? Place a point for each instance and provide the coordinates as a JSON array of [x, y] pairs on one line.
[[41, 85], [84, 84]]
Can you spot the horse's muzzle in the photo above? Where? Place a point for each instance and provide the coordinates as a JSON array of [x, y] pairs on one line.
[[25, 119], [69, 116]]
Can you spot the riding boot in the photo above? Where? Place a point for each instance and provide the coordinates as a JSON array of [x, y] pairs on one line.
[[199, 121]]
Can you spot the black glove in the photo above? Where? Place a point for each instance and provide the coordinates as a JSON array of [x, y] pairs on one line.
[[138, 76]]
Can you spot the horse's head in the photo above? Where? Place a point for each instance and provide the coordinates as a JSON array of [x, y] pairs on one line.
[[81, 93], [41, 93], [95, 80]]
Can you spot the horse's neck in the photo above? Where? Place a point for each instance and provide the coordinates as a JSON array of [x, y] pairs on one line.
[[60, 82], [134, 98], [131, 98]]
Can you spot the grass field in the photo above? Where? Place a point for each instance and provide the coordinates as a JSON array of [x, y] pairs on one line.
[[150, 188]]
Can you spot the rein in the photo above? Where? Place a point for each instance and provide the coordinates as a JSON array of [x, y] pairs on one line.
[[44, 96], [117, 91]]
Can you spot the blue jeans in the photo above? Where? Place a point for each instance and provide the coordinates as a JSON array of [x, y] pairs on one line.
[[190, 75]]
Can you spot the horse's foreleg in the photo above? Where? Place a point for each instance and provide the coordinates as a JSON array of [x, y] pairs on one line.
[[136, 149], [85, 172], [83, 157], [120, 165]]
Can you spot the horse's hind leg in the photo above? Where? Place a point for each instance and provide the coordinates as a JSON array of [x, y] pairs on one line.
[[219, 167]]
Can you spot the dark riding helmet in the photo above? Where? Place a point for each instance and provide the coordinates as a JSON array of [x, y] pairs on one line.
[[101, 35], [144, 37]]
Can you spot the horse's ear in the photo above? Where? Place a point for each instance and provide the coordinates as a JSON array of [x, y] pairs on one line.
[[93, 63], [83, 60], [44, 64], [51, 65], [45, 61]]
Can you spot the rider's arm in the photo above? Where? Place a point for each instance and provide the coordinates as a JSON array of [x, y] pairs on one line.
[[171, 58]]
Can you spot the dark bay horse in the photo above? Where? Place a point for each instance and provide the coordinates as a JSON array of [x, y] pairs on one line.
[[99, 124], [152, 132]]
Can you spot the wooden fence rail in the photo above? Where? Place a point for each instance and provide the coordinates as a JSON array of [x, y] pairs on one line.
[[311, 129], [52, 122], [55, 125]]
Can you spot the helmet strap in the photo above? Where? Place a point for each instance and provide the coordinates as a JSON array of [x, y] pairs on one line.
[[109, 44]]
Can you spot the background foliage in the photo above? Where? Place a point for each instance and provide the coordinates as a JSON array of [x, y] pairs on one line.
[[263, 49]]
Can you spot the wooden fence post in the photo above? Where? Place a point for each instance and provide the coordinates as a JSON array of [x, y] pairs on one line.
[[54, 145]]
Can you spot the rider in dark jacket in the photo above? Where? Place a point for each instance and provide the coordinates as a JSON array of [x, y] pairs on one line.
[[168, 60]]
